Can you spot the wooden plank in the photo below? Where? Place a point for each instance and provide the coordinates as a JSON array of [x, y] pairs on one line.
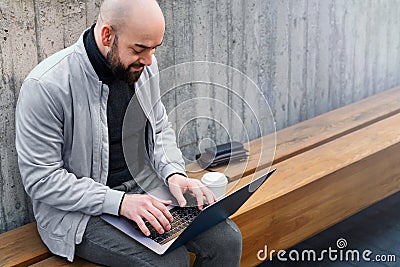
[[56, 261], [312, 191], [314, 132], [22, 247], [32, 251]]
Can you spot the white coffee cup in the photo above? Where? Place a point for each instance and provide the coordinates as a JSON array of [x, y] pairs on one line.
[[216, 182]]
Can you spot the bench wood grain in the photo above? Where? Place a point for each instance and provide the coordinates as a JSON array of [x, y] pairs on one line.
[[56, 261], [22, 247]]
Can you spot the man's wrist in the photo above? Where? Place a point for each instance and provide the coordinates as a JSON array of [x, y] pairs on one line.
[[112, 201], [120, 204], [172, 174]]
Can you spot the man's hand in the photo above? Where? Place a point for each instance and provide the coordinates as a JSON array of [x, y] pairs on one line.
[[179, 184], [137, 207]]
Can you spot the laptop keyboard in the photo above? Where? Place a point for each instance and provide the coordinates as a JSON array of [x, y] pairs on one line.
[[182, 218]]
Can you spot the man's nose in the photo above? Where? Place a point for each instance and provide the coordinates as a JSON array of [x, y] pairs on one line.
[[147, 57]]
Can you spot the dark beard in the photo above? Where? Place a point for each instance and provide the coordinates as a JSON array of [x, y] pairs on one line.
[[119, 70]]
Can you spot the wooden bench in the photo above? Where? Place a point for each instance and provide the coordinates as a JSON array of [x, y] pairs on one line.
[[329, 167], [320, 187]]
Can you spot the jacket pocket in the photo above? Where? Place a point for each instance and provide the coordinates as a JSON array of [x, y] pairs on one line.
[[54, 222], [61, 228]]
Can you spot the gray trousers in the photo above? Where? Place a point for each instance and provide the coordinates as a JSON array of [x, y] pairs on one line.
[[220, 245]]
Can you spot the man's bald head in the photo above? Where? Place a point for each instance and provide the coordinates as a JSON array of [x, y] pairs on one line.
[[121, 14]]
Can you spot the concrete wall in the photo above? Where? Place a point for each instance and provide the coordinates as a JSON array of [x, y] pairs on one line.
[[306, 56]]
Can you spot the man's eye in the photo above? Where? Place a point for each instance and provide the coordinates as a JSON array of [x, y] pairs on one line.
[[142, 50]]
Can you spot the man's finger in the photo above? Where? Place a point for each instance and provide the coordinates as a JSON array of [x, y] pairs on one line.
[[154, 222], [160, 217], [162, 207], [209, 195], [177, 193], [199, 196], [142, 226], [165, 202]]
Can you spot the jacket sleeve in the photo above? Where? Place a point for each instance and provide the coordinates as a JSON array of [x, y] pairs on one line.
[[167, 156], [39, 143]]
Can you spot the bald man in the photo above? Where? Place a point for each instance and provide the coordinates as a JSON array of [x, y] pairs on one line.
[[69, 121]]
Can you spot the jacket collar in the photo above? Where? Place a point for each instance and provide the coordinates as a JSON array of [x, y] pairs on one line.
[[87, 66]]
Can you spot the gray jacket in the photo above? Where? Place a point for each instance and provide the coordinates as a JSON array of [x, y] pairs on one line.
[[62, 144]]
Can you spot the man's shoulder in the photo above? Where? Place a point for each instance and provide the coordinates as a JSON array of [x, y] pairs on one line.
[[55, 63]]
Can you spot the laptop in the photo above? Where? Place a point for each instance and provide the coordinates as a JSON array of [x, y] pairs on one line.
[[189, 221]]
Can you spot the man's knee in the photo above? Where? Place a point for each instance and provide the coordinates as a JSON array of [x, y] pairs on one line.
[[220, 245], [232, 238], [223, 237], [177, 257]]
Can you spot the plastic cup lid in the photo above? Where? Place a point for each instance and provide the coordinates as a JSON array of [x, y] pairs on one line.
[[214, 179]]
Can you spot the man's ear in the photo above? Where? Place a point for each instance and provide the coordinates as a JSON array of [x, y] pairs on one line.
[[106, 35]]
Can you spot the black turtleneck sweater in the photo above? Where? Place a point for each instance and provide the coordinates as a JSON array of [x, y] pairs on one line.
[[119, 97]]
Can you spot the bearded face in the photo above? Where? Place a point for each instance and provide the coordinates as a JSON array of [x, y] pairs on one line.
[[120, 71]]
